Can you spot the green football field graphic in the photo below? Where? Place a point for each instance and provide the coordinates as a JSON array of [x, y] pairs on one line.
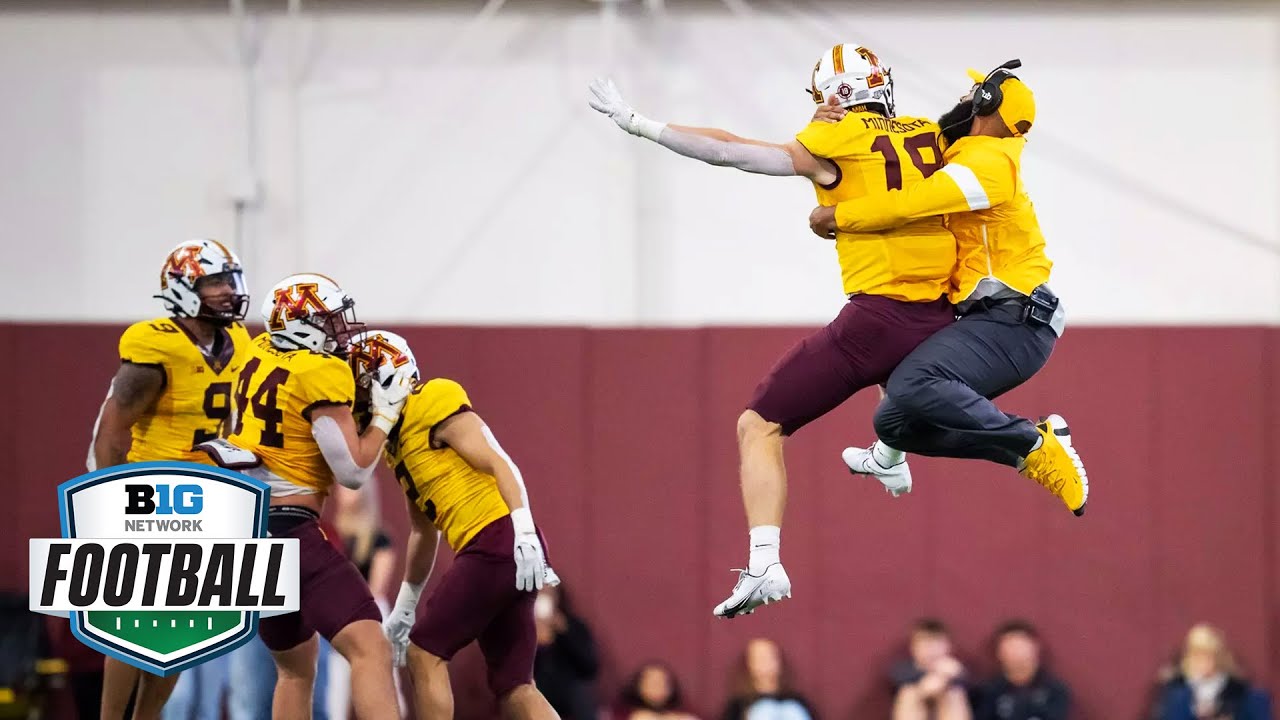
[[164, 631]]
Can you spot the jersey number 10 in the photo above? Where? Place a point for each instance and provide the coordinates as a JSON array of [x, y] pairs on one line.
[[913, 145]]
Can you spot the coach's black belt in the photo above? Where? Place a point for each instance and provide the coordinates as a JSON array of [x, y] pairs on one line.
[[283, 518], [1037, 308]]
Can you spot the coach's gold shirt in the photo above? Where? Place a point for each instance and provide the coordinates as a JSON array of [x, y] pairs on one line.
[[981, 192], [460, 500], [274, 397], [912, 262], [196, 400]]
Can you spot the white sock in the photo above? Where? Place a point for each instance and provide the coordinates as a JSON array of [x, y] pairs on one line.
[[1039, 442], [765, 542], [886, 456]]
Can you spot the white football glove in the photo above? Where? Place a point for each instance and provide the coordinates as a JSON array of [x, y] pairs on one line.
[[531, 562], [606, 99], [387, 399], [550, 579], [400, 621]]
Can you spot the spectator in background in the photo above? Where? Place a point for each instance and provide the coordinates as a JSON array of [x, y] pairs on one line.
[[762, 687], [652, 693], [1023, 690], [1208, 686], [930, 684], [84, 668], [359, 524], [567, 662], [199, 691]]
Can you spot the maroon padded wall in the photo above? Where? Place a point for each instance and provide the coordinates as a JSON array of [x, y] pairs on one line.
[[626, 439]]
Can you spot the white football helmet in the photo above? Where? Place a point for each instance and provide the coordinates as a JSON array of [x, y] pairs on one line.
[[308, 311], [193, 264], [854, 76], [376, 355]]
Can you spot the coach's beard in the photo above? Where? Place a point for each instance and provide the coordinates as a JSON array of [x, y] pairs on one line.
[[957, 121]]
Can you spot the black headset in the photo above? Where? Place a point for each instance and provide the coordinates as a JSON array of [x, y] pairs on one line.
[[988, 95]]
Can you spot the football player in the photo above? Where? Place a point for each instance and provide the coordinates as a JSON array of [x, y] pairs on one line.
[[459, 482], [939, 398], [895, 280], [171, 392], [294, 431]]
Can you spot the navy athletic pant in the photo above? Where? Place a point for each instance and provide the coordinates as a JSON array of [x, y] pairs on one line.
[[939, 397]]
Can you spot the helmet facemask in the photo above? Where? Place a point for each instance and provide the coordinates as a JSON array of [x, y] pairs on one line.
[[376, 356], [338, 326], [238, 301]]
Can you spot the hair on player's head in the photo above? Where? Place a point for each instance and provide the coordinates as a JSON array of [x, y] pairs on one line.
[[741, 681], [1017, 627], [930, 626], [631, 698]]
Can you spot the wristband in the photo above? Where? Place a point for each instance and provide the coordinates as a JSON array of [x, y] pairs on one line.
[[646, 128], [382, 422], [409, 594], [522, 522]]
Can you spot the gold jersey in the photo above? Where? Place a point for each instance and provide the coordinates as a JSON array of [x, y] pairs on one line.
[[876, 155], [274, 396], [982, 194], [196, 400], [460, 500]]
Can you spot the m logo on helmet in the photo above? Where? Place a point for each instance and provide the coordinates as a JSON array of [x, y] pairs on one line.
[[876, 78], [182, 263], [294, 303], [369, 355]]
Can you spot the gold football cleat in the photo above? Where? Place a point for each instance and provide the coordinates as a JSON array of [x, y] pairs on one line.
[[1056, 465]]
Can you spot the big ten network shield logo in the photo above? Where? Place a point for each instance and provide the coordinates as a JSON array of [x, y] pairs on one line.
[[164, 565]]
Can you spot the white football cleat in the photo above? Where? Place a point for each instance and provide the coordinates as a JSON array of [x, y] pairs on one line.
[[752, 591], [896, 479]]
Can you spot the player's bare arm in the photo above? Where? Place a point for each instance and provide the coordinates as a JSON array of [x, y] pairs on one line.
[[467, 434], [420, 559], [420, 555], [351, 454], [134, 391], [364, 447], [712, 145]]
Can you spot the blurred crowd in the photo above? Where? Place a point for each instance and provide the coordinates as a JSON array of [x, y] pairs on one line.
[[929, 681]]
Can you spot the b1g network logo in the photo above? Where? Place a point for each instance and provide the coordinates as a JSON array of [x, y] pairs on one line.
[[164, 565]]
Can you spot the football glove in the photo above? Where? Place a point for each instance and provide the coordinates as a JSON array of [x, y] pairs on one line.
[[531, 562], [400, 621], [606, 99], [387, 399]]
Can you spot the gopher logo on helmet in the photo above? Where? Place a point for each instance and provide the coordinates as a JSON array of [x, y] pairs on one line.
[[369, 354], [294, 303], [184, 262], [876, 78]]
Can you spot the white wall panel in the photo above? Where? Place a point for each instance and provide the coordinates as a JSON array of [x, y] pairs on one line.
[[449, 170]]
